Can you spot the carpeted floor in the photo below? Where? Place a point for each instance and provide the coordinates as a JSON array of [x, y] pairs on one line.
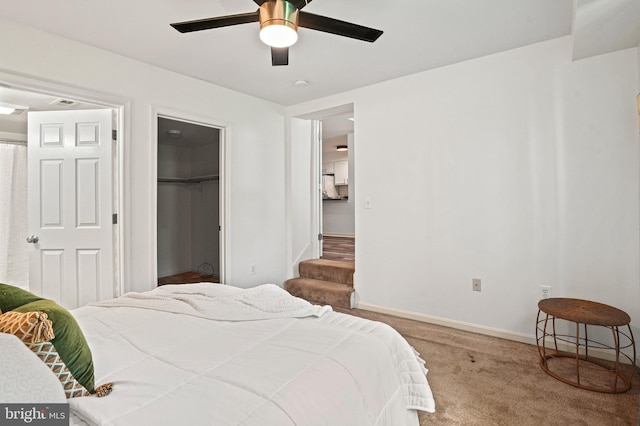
[[482, 380]]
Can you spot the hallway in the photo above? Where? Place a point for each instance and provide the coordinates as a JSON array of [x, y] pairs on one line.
[[338, 248]]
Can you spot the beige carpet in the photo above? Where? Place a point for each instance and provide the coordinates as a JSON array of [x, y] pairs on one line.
[[323, 281], [481, 380]]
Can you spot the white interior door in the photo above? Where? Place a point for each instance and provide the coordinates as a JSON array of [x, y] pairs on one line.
[[305, 193], [70, 206]]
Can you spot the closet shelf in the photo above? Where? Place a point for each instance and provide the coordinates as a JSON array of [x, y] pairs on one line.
[[196, 179]]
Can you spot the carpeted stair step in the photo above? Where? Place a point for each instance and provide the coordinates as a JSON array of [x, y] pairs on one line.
[[320, 292], [328, 270]]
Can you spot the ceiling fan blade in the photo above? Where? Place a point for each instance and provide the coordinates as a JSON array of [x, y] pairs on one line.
[[279, 56], [299, 4], [218, 22], [335, 26]]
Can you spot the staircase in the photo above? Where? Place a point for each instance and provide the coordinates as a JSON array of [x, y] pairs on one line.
[[324, 282]]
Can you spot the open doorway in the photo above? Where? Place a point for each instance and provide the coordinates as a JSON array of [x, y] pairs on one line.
[[308, 196], [81, 179], [338, 193], [323, 190], [188, 202]]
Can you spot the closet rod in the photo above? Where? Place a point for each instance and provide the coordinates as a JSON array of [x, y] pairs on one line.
[[197, 179]]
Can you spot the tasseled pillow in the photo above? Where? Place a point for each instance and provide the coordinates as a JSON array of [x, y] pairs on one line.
[[53, 334], [30, 327]]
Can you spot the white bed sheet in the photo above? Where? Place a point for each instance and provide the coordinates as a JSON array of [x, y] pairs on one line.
[[176, 369]]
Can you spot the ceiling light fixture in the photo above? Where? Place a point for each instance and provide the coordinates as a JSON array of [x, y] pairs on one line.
[[7, 109], [342, 148], [278, 23], [63, 102]]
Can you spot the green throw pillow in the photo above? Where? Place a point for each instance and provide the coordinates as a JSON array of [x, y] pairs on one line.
[[69, 341], [68, 354], [12, 297]]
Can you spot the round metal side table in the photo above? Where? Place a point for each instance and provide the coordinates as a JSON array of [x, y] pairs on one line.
[[587, 362]]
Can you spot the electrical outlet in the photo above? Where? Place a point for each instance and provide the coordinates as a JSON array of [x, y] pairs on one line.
[[253, 269], [545, 291], [476, 284]]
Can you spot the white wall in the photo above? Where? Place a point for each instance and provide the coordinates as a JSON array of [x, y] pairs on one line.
[[519, 168], [205, 236], [255, 149], [174, 211], [598, 209]]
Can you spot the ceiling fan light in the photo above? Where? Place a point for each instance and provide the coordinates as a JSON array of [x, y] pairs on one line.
[[278, 23], [278, 35]]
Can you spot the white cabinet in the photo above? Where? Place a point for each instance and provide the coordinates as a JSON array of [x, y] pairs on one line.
[[340, 169], [327, 168], [341, 172]]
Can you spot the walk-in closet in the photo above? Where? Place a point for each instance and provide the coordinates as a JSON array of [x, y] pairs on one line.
[[188, 202]]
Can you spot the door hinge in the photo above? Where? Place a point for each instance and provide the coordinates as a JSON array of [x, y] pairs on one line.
[[114, 134], [114, 218], [320, 237]]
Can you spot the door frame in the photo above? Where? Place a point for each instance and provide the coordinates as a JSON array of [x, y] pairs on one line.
[[317, 216], [120, 107], [223, 206], [316, 118]]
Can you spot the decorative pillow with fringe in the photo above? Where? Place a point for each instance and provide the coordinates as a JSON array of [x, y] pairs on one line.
[[30, 327], [46, 351], [67, 354]]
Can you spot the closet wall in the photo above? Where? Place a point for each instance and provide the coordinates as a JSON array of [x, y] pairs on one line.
[[188, 198]]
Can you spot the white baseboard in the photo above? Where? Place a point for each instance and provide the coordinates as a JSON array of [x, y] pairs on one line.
[[460, 325], [480, 329], [335, 234]]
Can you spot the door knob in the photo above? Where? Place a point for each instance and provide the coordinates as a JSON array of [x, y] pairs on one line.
[[32, 239]]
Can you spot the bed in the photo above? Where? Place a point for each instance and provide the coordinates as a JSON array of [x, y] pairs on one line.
[[211, 354]]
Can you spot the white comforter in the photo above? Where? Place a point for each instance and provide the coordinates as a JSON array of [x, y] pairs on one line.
[[221, 302], [185, 369]]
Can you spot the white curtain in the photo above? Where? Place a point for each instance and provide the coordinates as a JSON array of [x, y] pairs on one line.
[[14, 261]]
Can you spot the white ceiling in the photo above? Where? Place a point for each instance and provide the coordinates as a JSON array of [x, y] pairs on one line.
[[17, 123], [418, 35], [190, 134], [604, 26]]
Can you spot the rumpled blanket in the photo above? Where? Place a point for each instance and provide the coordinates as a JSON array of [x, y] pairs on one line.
[[221, 302]]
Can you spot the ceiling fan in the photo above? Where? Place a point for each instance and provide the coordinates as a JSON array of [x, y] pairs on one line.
[[279, 22]]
